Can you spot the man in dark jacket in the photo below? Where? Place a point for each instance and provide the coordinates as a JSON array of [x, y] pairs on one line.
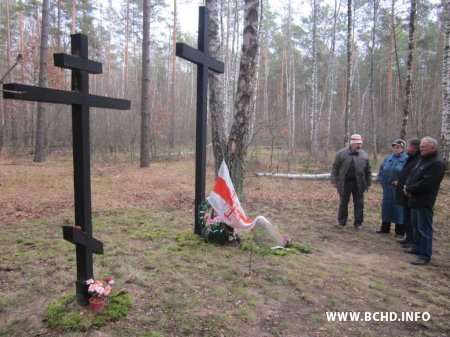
[[422, 187], [412, 149], [351, 175]]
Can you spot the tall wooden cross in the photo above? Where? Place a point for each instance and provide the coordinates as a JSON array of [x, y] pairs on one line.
[[204, 62], [81, 100]]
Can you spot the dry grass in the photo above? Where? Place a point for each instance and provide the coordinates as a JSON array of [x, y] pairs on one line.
[[182, 286]]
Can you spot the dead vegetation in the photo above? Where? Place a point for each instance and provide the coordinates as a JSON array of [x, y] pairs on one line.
[[181, 286]]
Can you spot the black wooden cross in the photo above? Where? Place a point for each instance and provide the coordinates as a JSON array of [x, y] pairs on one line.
[[81, 100], [204, 62]]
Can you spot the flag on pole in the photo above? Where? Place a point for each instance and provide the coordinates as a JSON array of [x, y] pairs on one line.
[[224, 200]]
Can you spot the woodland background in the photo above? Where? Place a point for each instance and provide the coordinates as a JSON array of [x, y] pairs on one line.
[[299, 86]]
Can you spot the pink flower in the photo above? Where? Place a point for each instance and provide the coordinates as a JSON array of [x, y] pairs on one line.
[[100, 288], [107, 290]]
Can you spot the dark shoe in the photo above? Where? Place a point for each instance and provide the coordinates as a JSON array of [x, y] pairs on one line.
[[399, 236], [406, 245], [403, 241], [382, 232], [411, 251], [419, 262], [358, 227]]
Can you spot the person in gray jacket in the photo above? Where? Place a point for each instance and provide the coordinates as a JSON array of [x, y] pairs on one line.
[[351, 175]]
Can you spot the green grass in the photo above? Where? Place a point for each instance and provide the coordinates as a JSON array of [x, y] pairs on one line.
[[179, 285], [64, 314]]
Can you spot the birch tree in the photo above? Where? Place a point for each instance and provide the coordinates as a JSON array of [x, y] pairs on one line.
[[216, 97], [349, 72], [41, 121], [289, 69], [314, 115], [238, 140], [332, 71], [256, 84], [409, 63], [145, 87]]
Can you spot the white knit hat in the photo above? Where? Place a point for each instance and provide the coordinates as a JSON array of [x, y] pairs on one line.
[[356, 139]]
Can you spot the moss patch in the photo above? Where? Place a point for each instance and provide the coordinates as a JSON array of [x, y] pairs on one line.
[[66, 314]]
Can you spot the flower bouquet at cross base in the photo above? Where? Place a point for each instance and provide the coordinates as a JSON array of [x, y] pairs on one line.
[[99, 290], [214, 229]]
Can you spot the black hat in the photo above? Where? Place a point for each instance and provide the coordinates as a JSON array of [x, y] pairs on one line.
[[399, 142], [414, 141]]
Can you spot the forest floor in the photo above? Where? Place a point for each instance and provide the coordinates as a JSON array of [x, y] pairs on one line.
[[182, 286]]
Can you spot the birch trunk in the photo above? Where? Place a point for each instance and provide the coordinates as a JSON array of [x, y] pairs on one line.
[[256, 83], [349, 73], [39, 155], [332, 69], [292, 102], [409, 63], [238, 141], [216, 97], [314, 82], [145, 87]]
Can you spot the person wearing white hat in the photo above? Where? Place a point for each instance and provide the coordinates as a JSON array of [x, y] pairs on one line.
[[351, 175]]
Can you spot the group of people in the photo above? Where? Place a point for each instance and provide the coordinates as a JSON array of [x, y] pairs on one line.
[[410, 176]]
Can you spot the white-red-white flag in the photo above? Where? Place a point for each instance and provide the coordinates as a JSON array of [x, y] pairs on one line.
[[224, 200]]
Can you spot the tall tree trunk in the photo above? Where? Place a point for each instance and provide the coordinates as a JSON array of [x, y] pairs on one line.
[[409, 63], [238, 141], [266, 84], [349, 73], [59, 27], [372, 89], [126, 57], [145, 88], [174, 72], [5, 107], [292, 103], [332, 70], [41, 132], [74, 17], [314, 118], [13, 118], [256, 84], [392, 40], [216, 97], [445, 126]]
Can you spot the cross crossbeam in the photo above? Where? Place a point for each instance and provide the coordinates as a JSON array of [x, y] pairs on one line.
[[73, 62], [204, 63], [81, 101], [31, 93], [78, 237]]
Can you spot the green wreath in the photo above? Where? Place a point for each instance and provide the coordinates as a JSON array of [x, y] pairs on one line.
[[218, 232]]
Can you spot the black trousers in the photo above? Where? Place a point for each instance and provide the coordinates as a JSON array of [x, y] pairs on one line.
[[351, 188]]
